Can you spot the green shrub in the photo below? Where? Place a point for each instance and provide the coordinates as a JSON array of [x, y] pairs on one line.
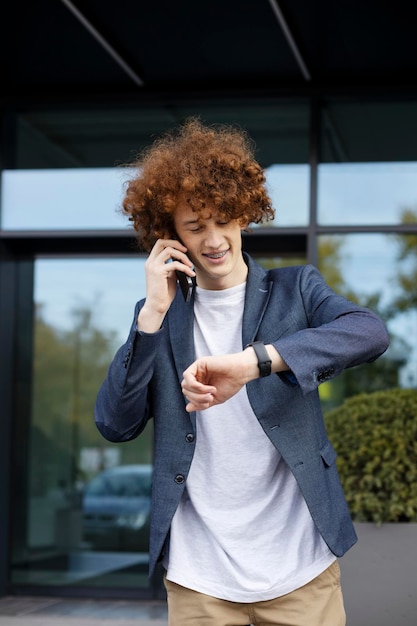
[[375, 436]]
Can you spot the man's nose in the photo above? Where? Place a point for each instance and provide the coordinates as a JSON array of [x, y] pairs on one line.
[[213, 237]]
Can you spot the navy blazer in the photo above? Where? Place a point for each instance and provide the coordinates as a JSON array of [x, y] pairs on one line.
[[317, 332]]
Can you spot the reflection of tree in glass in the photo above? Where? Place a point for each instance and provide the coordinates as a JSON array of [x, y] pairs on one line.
[[406, 276], [57, 353], [69, 367], [330, 252], [407, 264], [381, 374]]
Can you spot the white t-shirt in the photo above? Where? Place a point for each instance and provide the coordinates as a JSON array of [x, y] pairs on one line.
[[242, 531]]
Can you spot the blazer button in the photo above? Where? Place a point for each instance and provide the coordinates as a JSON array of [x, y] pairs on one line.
[[189, 437], [179, 479]]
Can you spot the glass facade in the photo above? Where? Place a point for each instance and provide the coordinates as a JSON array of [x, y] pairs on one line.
[[62, 199], [342, 182], [354, 194]]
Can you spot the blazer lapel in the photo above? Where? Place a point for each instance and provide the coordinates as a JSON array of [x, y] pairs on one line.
[[258, 291], [180, 320]]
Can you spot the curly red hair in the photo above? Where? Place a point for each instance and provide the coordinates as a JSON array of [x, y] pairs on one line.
[[207, 167]]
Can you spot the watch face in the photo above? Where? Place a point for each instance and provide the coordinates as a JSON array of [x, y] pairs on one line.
[[265, 368]]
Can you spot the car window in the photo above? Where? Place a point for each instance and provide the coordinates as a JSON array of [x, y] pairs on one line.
[[122, 485]]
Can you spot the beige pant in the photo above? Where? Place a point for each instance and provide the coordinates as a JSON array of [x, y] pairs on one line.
[[319, 603]]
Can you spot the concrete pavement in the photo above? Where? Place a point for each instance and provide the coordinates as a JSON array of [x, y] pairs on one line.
[[64, 620], [42, 611]]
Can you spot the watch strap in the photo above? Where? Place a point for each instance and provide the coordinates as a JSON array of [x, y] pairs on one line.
[[264, 361]]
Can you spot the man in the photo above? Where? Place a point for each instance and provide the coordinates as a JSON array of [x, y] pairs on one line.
[[248, 514]]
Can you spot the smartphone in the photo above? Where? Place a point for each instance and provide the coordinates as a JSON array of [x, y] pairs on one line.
[[186, 283]]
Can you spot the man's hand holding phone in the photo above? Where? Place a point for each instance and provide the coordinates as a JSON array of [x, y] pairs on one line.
[[187, 284], [167, 257]]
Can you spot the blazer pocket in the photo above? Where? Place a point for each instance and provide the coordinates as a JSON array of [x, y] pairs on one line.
[[328, 454]]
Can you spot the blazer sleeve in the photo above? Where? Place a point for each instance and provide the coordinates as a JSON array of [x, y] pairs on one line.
[[338, 334], [122, 410]]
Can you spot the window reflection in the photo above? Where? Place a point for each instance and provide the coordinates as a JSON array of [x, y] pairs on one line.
[[116, 509], [365, 193], [63, 199], [288, 187], [76, 531], [107, 289], [90, 199], [373, 270]]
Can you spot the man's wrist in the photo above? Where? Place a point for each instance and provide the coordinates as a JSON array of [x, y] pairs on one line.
[[149, 322], [264, 360]]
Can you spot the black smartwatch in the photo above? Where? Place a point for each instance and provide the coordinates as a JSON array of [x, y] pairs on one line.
[[264, 362]]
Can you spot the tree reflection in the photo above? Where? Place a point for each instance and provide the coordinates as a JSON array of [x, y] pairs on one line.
[[407, 265], [68, 369]]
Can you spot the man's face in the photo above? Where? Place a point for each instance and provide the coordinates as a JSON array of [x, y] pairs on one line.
[[214, 246]]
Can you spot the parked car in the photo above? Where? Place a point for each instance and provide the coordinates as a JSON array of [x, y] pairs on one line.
[[116, 509]]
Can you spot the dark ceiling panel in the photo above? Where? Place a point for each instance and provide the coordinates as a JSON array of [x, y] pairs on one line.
[[48, 49], [193, 42], [203, 45], [356, 41], [188, 44]]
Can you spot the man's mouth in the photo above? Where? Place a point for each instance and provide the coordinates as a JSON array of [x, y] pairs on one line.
[[216, 255]]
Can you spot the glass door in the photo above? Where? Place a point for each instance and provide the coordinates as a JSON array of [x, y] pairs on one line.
[[85, 502]]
